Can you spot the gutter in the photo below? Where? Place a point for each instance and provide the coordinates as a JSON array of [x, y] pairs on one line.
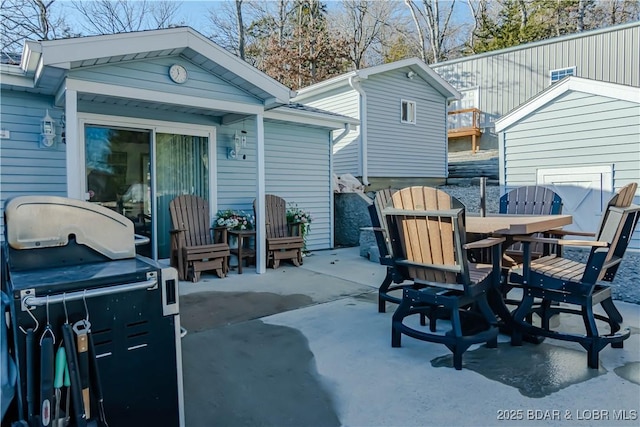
[[347, 129], [355, 84]]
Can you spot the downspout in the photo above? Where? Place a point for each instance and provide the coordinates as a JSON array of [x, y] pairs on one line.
[[347, 129], [355, 84], [334, 141]]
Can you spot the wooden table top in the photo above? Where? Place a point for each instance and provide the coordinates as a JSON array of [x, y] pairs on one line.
[[515, 224]]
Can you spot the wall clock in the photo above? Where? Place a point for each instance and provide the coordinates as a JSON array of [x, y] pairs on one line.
[[178, 73]]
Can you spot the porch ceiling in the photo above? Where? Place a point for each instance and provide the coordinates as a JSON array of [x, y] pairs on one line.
[[156, 106]]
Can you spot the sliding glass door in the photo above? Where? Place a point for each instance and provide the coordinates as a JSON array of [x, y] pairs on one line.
[[182, 167], [118, 174], [121, 175]]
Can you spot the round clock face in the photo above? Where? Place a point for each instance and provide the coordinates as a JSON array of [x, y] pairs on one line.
[[178, 73]]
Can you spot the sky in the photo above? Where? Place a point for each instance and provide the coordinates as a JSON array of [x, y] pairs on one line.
[[195, 13]]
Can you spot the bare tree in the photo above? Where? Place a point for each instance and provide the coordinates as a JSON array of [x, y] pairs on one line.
[[362, 23], [240, 29], [119, 16], [436, 23], [29, 19], [231, 25], [479, 11]]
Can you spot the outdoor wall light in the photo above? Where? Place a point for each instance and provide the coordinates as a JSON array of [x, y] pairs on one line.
[[410, 75], [48, 131], [239, 142]]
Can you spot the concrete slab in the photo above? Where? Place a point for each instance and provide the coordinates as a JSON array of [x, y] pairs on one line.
[[324, 358]]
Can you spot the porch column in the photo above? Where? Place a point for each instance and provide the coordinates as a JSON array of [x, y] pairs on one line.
[[261, 242], [75, 189]]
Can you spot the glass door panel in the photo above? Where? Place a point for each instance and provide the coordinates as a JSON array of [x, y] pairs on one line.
[[118, 174], [182, 167]]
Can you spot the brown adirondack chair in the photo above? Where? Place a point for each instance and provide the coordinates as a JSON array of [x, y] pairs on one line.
[[427, 234], [195, 246], [554, 279], [284, 241]]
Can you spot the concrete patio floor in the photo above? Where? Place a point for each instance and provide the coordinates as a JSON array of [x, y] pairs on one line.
[[306, 347]]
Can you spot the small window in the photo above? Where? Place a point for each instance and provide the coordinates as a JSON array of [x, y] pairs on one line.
[[408, 112], [561, 73]]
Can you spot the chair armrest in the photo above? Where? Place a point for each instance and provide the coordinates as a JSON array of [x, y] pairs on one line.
[[591, 243], [294, 228], [561, 232], [484, 243], [220, 234], [180, 230]]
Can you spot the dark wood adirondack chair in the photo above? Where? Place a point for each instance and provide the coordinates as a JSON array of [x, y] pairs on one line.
[[284, 241], [529, 200], [554, 279], [427, 235], [195, 246]]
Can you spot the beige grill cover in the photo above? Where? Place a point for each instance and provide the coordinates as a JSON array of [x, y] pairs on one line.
[[47, 221]]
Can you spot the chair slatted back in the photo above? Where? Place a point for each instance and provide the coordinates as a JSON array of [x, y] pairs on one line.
[[276, 217], [426, 227], [191, 213], [622, 199], [617, 230], [530, 200]]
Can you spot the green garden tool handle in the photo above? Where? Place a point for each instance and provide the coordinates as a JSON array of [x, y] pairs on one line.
[[62, 372]]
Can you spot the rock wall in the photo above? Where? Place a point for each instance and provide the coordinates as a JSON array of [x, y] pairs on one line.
[[351, 214]]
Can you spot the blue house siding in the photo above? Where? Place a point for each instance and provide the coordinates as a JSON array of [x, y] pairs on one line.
[[574, 130], [25, 167], [298, 169], [152, 75], [403, 149], [346, 101]]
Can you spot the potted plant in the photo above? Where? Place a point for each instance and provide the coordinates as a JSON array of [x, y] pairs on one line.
[[299, 217]]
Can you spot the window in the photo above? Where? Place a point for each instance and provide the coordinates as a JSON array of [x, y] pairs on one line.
[[561, 73], [408, 112]]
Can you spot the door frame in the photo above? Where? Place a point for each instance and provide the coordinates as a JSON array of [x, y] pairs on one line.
[[154, 127]]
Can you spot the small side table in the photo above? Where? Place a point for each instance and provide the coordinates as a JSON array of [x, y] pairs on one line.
[[244, 250]]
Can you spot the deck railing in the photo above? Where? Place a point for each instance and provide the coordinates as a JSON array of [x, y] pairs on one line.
[[465, 122]]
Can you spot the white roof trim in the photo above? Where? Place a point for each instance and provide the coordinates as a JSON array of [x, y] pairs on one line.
[[61, 53], [572, 83], [330, 121], [417, 65], [125, 92]]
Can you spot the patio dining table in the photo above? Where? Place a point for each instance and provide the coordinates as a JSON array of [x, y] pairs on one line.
[[505, 225], [509, 226]]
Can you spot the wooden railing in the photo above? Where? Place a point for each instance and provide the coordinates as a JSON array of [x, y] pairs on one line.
[[465, 122]]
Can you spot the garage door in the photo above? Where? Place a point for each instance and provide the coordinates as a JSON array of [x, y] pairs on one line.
[[584, 190]]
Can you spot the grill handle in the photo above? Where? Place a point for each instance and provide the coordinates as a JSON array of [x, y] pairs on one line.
[[29, 302]]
